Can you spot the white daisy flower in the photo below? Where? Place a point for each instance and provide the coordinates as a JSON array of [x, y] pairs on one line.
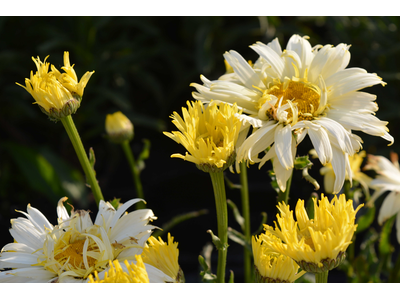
[[289, 94], [388, 179], [75, 248]]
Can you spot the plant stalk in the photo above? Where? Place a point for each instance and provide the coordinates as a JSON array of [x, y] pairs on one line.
[[82, 156], [321, 277], [217, 179], [246, 215], [135, 173]]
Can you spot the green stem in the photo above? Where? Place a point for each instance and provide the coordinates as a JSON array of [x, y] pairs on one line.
[[82, 156], [135, 173], [284, 196], [217, 179], [246, 215], [321, 277]]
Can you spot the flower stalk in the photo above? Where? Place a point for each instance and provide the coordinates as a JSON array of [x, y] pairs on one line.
[[246, 215], [73, 135], [135, 172], [217, 179], [321, 277]]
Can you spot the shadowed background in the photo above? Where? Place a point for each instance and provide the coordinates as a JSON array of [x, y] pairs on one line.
[[143, 67]]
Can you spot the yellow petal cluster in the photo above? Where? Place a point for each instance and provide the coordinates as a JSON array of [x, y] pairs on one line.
[[163, 256], [316, 241], [58, 95], [118, 127], [69, 79], [134, 273], [209, 134], [273, 267]]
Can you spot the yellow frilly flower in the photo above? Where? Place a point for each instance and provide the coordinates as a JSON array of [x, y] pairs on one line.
[[134, 274], [319, 244], [272, 267], [56, 94], [118, 127], [163, 256], [209, 134]]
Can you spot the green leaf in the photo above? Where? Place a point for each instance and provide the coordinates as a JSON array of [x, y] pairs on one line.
[[385, 248], [216, 241], [231, 278], [238, 237], [366, 219], [179, 219], [145, 154], [92, 158], [230, 184], [302, 162], [206, 275], [40, 175], [263, 221], [115, 202], [236, 213]]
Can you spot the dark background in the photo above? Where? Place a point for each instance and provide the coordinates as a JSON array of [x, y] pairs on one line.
[[143, 67]]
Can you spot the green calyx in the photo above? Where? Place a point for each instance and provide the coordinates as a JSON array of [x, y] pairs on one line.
[[69, 108], [214, 169], [327, 264], [261, 279]]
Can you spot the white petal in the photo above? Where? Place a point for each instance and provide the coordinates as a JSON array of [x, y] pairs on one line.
[[270, 55], [390, 207], [321, 143], [244, 71], [339, 167], [303, 48], [283, 144], [122, 209]]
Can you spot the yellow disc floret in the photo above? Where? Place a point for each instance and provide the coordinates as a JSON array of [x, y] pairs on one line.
[[116, 274]]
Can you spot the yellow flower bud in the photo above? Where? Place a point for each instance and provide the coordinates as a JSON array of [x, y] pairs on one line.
[[118, 127], [58, 95]]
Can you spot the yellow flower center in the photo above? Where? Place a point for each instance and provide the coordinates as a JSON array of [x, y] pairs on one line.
[[73, 254], [302, 94]]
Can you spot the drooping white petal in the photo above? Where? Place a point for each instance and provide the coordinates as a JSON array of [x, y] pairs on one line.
[[283, 144], [321, 143], [339, 162], [390, 207]]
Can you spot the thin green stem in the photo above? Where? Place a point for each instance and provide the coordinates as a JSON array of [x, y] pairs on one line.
[[135, 172], [217, 179], [284, 196], [321, 277], [82, 156], [246, 215]]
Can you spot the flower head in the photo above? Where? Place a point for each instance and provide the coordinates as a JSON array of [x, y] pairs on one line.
[[118, 127], [297, 92], [54, 92], [76, 247], [209, 134], [319, 244], [163, 256], [387, 179], [273, 267], [134, 273]]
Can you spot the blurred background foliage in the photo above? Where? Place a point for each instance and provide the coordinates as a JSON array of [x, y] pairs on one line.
[[143, 67]]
